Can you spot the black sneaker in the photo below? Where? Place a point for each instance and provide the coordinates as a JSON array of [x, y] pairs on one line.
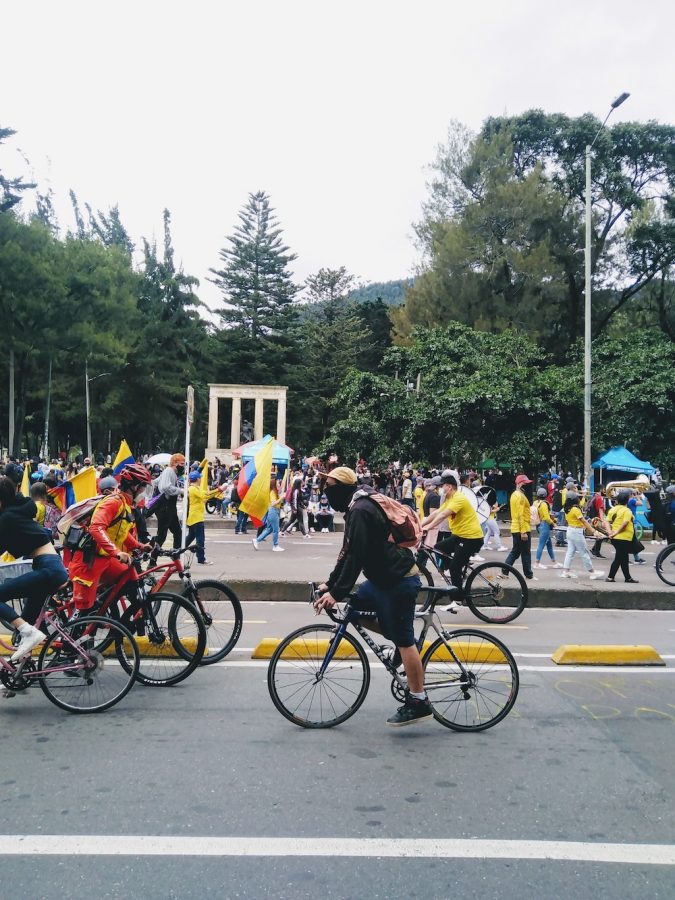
[[413, 710]]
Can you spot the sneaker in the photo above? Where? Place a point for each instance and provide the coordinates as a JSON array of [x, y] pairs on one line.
[[566, 574], [596, 575], [628, 581], [30, 637], [655, 542], [640, 562], [255, 544], [557, 566], [307, 536], [205, 562], [452, 607], [324, 531], [531, 578], [477, 558], [541, 566], [413, 710], [610, 579], [502, 549], [276, 549]]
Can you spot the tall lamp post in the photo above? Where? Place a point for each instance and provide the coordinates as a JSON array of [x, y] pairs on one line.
[[587, 296], [87, 381]]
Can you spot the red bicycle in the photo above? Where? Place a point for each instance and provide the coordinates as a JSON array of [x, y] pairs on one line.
[[216, 603]]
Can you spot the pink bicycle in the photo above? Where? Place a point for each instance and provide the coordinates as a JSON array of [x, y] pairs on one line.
[[84, 666]]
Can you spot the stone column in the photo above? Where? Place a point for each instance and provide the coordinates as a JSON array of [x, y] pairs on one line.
[[235, 433], [281, 419], [213, 420], [258, 424]]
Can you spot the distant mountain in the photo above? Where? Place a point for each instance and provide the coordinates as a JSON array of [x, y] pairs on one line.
[[391, 292]]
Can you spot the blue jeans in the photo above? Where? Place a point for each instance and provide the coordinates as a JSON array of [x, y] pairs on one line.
[[48, 574], [271, 526], [241, 523], [545, 541], [196, 533]]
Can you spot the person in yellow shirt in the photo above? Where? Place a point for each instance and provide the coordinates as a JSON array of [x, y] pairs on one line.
[[467, 535], [38, 493], [418, 493], [546, 525], [271, 519], [620, 519], [576, 537], [521, 528], [197, 498]]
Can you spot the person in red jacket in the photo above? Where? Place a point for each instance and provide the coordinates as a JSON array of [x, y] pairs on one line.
[[112, 538]]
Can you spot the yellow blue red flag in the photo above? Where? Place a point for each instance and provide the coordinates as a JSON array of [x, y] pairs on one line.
[[80, 487], [253, 484], [124, 458]]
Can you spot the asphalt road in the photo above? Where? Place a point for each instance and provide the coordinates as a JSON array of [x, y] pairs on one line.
[[581, 769]]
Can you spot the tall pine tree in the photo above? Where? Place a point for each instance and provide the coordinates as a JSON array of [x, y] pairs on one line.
[[258, 293]]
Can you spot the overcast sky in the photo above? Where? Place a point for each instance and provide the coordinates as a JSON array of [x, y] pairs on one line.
[[334, 108]]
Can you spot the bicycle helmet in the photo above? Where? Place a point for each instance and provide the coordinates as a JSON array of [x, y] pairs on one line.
[[134, 474]]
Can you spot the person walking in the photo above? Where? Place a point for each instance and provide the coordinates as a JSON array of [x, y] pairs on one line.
[[633, 507], [596, 510], [197, 498], [620, 520], [545, 527], [271, 526], [576, 537], [407, 498], [521, 528], [166, 507]]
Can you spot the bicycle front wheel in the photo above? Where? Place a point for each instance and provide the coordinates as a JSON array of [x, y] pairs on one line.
[[171, 638], [304, 696], [665, 565], [471, 680], [78, 677], [221, 611], [495, 592]]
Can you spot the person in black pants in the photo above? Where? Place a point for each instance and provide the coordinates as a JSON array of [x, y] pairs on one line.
[[620, 519], [167, 514]]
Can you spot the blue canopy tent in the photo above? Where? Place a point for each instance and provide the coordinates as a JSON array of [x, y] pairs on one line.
[[620, 459]]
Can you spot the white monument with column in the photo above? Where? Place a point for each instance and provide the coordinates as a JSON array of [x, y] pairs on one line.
[[238, 392]]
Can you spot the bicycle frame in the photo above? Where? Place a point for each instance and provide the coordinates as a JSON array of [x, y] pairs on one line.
[[352, 617]]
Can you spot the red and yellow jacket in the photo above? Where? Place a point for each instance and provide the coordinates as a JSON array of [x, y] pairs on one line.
[[112, 525]]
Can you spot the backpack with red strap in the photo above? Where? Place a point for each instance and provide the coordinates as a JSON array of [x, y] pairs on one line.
[[404, 524]]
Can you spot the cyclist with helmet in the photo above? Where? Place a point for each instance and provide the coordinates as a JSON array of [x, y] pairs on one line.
[[105, 557]]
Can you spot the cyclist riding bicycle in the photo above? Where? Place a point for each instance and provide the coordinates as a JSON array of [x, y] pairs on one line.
[[21, 536], [467, 535], [391, 587], [105, 555]]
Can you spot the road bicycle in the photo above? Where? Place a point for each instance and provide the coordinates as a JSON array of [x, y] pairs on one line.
[[170, 631], [665, 565], [494, 591], [84, 666], [217, 604], [319, 675]]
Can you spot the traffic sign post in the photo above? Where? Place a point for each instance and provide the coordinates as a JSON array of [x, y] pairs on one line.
[[189, 419]]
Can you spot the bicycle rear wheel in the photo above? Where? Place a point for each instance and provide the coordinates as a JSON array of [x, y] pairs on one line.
[[492, 597], [220, 609], [80, 678], [471, 679], [171, 638], [665, 565], [300, 694]]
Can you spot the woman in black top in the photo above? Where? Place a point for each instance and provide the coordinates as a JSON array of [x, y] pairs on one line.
[[21, 536]]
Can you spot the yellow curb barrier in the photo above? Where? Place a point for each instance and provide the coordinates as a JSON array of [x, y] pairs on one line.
[[607, 655], [317, 649], [145, 648]]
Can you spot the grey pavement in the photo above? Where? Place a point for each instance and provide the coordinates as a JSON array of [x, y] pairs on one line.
[[585, 756]]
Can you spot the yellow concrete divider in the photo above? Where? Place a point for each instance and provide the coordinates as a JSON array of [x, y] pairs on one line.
[[607, 655], [145, 648], [317, 649]]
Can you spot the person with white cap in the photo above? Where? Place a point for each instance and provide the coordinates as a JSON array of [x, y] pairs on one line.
[[521, 528], [391, 586]]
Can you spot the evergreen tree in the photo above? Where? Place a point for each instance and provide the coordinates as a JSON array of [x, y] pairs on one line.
[[255, 280], [10, 188]]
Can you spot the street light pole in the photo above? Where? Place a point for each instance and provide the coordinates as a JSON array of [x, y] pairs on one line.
[[86, 394], [587, 299]]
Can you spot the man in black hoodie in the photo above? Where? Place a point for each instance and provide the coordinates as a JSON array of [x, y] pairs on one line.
[[390, 589]]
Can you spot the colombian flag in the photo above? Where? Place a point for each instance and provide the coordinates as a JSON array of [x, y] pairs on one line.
[[81, 487], [253, 484], [124, 458]]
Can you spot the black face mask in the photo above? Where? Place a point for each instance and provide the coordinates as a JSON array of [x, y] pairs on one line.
[[339, 495], [180, 470]]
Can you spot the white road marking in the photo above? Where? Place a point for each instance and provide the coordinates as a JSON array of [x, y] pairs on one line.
[[373, 848], [550, 670]]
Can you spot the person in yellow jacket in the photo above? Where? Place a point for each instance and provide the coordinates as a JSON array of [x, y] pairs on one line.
[[545, 526], [520, 527], [197, 498], [418, 493], [620, 519]]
